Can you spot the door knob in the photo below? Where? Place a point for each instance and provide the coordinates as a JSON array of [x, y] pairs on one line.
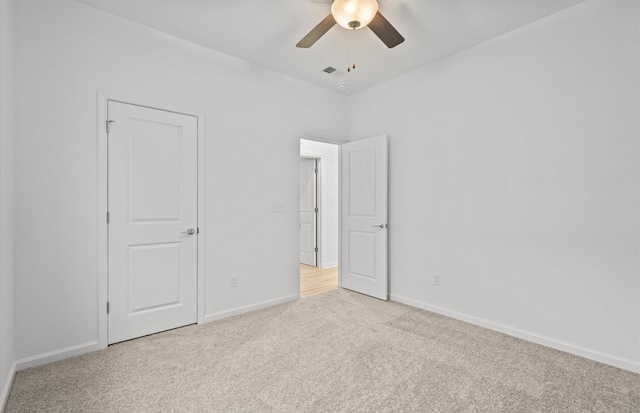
[[190, 231], [378, 226]]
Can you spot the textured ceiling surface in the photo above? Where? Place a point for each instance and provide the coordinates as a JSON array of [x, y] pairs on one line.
[[266, 32]]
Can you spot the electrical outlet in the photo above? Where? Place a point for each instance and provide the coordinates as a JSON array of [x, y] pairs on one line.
[[234, 281], [277, 208], [436, 279]]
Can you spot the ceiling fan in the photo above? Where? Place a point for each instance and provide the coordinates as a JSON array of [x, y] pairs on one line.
[[355, 14]]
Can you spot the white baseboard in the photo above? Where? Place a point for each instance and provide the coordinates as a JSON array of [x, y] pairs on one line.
[[4, 396], [252, 307], [56, 355], [330, 264], [615, 361]]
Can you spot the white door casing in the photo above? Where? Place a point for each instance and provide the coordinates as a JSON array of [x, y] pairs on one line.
[[364, 194], [308, 204], [152, 203]]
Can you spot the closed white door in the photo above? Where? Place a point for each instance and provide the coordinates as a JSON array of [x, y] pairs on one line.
[[153, 231], [364, 216], [308, 211]]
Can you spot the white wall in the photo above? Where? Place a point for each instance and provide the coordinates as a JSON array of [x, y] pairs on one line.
[[329, 186], [514, 173], [254, 119], [6, 198]]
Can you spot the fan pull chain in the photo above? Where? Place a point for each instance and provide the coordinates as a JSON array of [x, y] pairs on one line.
[[351, 53], [354, 52]]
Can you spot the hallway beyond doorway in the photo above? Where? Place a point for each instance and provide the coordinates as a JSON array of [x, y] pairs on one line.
[[314, 280]]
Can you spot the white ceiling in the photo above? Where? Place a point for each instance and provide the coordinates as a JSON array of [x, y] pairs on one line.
[[265, 32]]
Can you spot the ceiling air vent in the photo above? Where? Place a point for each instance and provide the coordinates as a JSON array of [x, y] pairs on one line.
[[329, 69]]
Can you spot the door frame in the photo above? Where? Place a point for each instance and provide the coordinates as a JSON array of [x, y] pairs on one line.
[[103, 231], [340, 266], [318, 159]]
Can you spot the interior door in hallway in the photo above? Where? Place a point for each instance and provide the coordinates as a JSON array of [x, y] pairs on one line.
[[308, 211], [364, 171], [153, 234]]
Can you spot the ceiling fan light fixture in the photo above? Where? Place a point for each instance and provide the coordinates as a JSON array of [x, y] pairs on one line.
[[354, 14]]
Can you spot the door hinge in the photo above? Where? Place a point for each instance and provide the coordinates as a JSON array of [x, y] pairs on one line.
[[109, 122], [108, 307], [316, 249], [108, 217], [316, 210], [197, 230], [315, 170]]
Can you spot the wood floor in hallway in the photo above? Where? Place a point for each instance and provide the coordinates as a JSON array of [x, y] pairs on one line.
[[314, 280]]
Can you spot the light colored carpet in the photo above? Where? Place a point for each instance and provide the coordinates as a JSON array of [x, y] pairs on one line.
[[333, 352]]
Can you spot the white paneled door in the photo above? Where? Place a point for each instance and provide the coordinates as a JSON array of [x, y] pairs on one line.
[[308, 211], [153, 234], [364, 216]]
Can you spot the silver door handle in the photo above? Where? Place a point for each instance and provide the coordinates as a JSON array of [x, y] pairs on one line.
[[190, 231], [381, 226]]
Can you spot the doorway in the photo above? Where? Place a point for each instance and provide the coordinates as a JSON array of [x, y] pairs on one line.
[[360, 206], [319, 205]]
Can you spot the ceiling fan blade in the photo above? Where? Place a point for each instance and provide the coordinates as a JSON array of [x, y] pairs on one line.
[[385, 31], [317, 32]]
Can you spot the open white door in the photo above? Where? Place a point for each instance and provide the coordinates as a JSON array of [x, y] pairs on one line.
[[364, 216], [308, 211], [153, 234]]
